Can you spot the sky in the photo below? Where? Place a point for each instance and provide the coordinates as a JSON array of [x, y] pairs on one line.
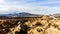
[[31, 6]]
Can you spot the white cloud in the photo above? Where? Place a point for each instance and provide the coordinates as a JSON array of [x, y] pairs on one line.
[[29, 7], [35, 10], [2, 1]]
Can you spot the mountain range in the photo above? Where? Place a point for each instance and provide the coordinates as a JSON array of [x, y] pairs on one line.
[[22, 14], [25, 14]]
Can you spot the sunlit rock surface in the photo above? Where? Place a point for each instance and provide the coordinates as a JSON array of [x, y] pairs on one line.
[[31, 25]]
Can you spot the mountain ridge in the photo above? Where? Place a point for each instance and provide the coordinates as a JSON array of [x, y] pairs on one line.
[[26, 14]]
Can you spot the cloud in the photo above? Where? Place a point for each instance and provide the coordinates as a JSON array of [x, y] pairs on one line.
[[4, 9], [1, 1], [31, 6]]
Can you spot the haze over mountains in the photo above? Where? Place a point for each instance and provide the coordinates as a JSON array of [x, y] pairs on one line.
[[22, 14], [25, 14]]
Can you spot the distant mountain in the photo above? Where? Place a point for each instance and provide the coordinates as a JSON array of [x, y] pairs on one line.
[[7, 14], [56, 15], [24, 14]]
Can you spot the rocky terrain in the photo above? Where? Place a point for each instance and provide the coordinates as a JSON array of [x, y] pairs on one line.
[[23, 23], [30, 25], [42, 25]]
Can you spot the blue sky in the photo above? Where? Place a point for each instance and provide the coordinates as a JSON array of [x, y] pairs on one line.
[[31, 6]]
